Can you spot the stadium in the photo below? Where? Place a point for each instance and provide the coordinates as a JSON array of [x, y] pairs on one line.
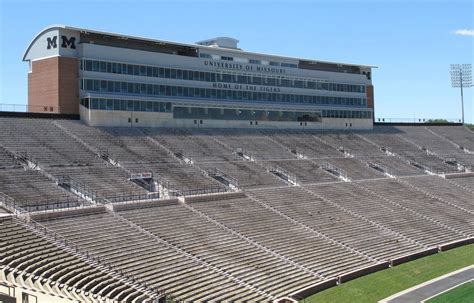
[[153, 171]]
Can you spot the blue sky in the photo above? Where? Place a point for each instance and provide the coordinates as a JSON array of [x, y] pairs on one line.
[[412, 42]]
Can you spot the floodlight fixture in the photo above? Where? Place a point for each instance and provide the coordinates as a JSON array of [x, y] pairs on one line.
[[461, 76]]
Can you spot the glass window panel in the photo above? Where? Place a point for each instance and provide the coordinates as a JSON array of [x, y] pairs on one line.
[[103, 67], [95, 66], [129, 105], [95, 103], [103, 85], [136, 106], [156, 106], [102, 104]]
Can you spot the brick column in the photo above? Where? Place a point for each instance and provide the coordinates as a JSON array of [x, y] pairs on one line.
[[53, 86]]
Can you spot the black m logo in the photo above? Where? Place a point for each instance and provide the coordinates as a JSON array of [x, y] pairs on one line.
[[52, 42], [71, 42]]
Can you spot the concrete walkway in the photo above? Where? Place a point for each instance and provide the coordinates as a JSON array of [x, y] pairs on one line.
[[429, 289]]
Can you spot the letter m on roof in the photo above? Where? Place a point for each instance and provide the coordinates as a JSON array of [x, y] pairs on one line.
[[52, 42], [71, 42]]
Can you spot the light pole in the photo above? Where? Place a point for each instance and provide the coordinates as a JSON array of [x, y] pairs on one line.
[[461, 76]]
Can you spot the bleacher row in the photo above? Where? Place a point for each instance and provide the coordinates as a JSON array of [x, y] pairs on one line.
[[70, 148], [272, 240]]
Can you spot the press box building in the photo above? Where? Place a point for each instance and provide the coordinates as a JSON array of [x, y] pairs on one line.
[[119, 80]]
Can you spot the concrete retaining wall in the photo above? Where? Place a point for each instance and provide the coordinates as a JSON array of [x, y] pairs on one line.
[[143, 204], [454, 244], [459, 175], [225, 196], [310, 290], [68, 213], [362, 272], [410, 257]]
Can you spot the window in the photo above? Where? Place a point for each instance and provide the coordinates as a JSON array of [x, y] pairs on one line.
[[102, 104], [156, 106], [289, 65], [129, 106], [109, 104], [129, 69], [95, 66], [103, 85], [102, 67], [203, 55], [142, 70]]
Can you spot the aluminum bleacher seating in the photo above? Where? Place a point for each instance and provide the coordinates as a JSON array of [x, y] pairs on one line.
[[7, 161], [248, 174], [303, 143], [355, 169], [286, 221], [350, 142], [282, 236], [467, 182], [335, 223], [410, 225], [32, 191], [445, 190], [305, 171], [220, 248], [180, 176], [106, 180], [126, 145], [254, 143], [28, 258], [196, 144], [395, 166], [159, 264], [391, 139], [429, 139], [427, 204], [44, 142], [457, 134]]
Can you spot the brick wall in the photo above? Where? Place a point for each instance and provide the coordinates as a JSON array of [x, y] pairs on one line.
[[370, 96], [53, 86], [68, 85]]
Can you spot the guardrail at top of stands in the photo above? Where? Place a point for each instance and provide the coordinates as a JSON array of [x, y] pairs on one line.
[[417, 120]]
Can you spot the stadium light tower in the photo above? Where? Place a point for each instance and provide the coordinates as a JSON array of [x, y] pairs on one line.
[[461, 76]]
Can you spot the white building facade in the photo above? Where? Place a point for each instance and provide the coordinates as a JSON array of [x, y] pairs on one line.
[[119, 80]]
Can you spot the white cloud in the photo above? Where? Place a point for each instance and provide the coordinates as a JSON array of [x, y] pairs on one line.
[[464, 32]]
